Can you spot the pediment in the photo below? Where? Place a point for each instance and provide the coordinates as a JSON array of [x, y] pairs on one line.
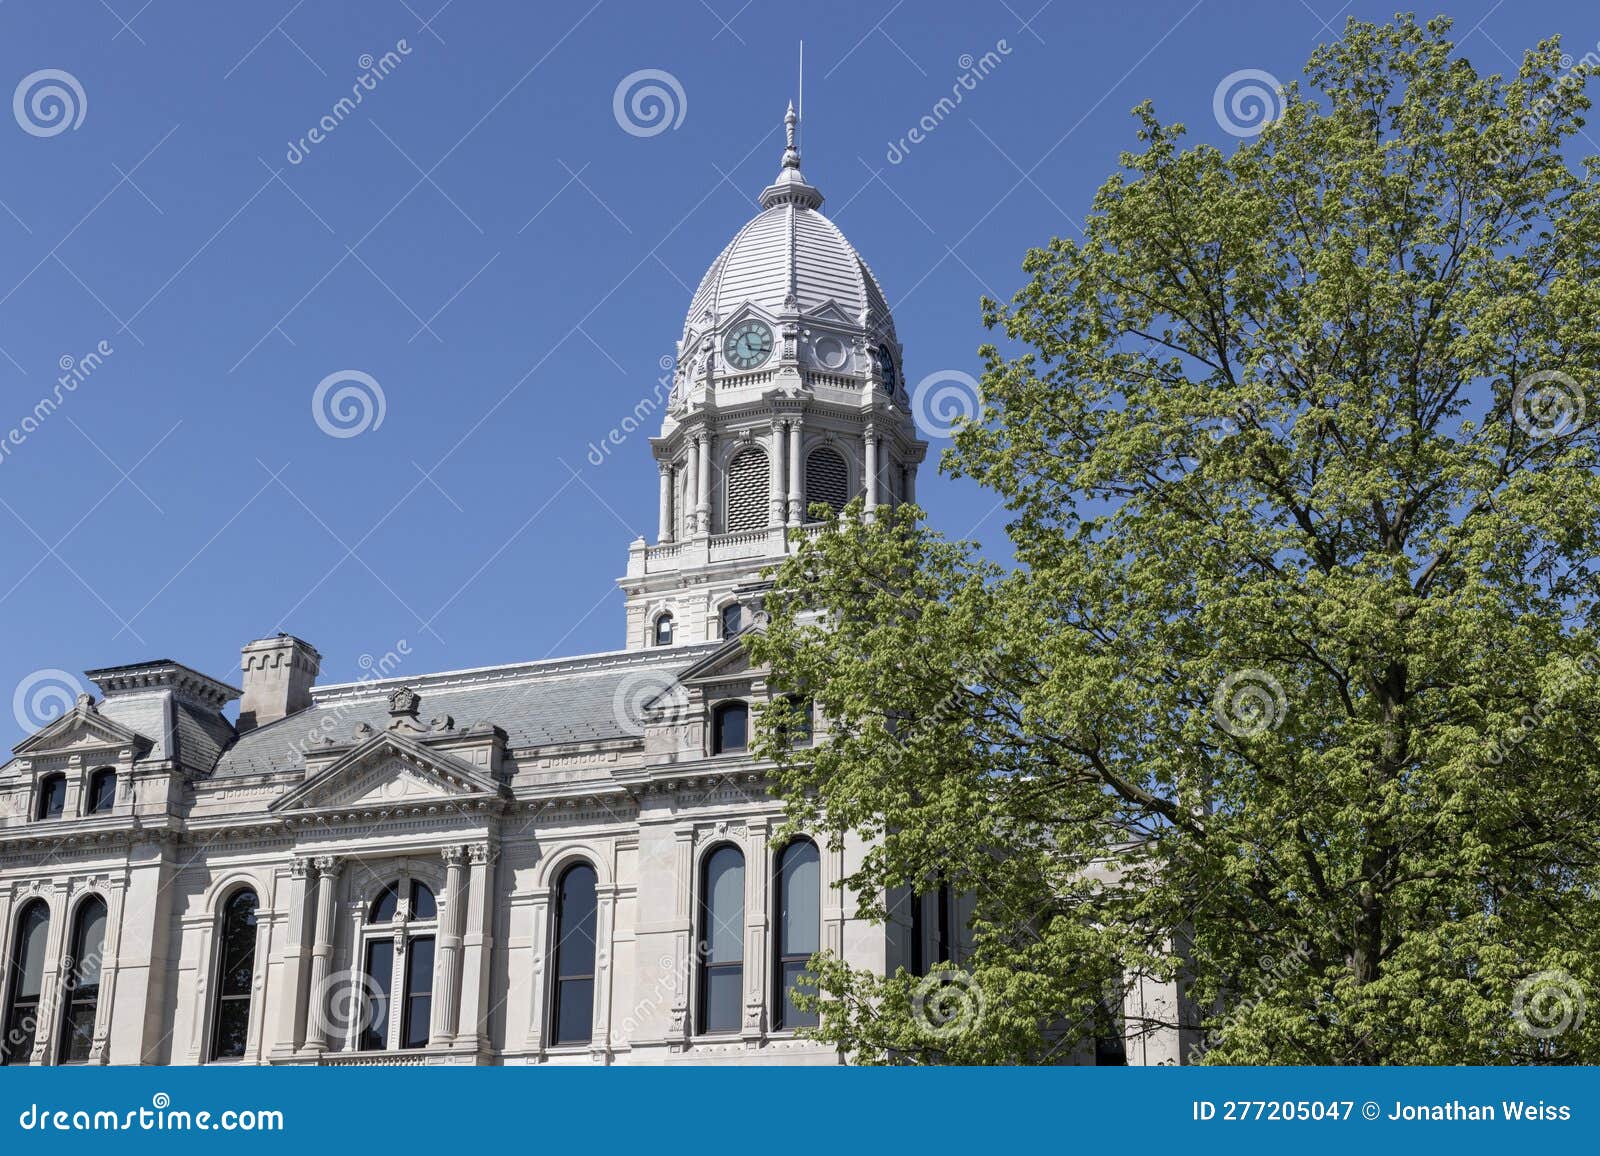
[[390, 769], [82, 728], [831, 310], [730, 660]]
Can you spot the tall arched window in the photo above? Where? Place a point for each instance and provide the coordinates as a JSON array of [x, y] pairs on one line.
[[398, 934], [102, 791], [827, 479], [797, 727], [798, 883], [236, 966], [663, 630], [749, 482], [572, 1021], [730, 728], [80, 995], [932, 919], [27, 983], [732, 619], [721, 939], [52, 797]]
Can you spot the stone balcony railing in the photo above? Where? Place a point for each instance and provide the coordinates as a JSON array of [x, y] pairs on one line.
[[702, 549]]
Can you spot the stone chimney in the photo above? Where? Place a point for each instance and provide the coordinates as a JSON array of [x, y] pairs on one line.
[[278, 674]]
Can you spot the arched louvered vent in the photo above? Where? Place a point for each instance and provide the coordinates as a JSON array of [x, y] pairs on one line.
[[827, 480], [748, 480]]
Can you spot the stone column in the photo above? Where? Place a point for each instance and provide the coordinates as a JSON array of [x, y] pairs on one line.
[[664, 522], [477, 948], [446, 1014], [775, 478], [911, 484], [702, 515], [797, 510], [321, 953], [100, 1049], [755, 937], [292, 964], [691, 477], [869, 482]]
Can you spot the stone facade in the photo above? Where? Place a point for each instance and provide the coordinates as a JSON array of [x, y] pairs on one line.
[[502, 865]]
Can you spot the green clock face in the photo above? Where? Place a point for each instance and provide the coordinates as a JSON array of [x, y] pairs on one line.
[[747, 345]]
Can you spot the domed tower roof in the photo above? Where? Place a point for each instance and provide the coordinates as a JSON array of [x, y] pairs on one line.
[[791, 256]]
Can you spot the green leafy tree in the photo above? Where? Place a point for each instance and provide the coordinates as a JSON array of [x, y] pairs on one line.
[[1291, 695]]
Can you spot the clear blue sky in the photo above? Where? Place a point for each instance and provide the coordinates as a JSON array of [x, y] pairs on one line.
[[484, 240]]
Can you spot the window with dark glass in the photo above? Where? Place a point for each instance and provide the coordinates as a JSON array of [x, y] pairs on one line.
[[730, 728], [386, 905], [52, 797], [797, 723], [931, 918], [732, 619], [379, 978], [398, 980], [102, 791], [27, 983], [573, 1017], [664, 630], [721, 941], [236, 965], [798, 884], [423, 905], [418, 1011], [80, 996]]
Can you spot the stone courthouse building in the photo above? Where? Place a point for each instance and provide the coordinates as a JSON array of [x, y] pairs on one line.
[[569, 861]]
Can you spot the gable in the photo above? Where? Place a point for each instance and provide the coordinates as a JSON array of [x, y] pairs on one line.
[[389, 768], [82, 728]]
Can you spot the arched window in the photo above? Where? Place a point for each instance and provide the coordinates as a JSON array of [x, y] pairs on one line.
[[80, 995], [798, 883], [749, 481], [932, 918], [797, 726], [397, 960], [722, 941], [102, 791], [827, 479], [236, 966], [732, 619], [52, 797], [663, 630], [27, 983], [730, 728], [572, 1021]]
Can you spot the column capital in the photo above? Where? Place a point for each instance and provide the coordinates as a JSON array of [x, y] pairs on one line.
[[454, 855], [328, 865]]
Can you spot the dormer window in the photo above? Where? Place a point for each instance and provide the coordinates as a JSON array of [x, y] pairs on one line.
[[663, 630], [102, 791], [52, 797]]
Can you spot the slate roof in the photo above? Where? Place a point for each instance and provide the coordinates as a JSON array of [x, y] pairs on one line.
[[537, 704]]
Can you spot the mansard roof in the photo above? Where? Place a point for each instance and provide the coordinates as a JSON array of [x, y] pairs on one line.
[[575, 700]]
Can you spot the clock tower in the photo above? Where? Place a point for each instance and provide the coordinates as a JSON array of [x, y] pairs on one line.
[[788, 391]]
